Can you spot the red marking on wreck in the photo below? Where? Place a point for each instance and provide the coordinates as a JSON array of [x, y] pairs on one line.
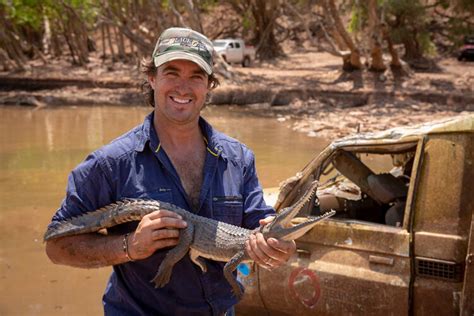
[[300, 275]]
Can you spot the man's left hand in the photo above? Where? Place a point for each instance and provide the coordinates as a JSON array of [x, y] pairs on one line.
[[271, 253]]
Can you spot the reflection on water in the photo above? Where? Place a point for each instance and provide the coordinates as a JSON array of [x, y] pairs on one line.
[[37, 151]]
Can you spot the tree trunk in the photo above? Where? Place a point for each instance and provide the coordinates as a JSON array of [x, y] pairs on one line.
[[194, 15], [179, 17], [109, 41], [303, 21], [333, 48], [130, 24], [56, 42], [144, 46], [120, 46], [395, 62], [376, 53], [76, 31], [10, 42], [353, 61], [265, 14], [6, 63], [412, 47], [332, 36], [12, 51], [67, 37], [47, 35], [102, 35]]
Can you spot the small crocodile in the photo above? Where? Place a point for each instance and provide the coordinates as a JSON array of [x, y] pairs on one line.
[[203, 237]]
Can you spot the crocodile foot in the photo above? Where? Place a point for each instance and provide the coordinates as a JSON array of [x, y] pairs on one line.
[[162, 278]]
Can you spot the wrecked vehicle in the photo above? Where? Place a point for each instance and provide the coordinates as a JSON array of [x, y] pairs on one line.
[[402, 240]]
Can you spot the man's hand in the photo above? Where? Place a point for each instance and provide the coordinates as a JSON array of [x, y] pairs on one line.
[[155, 231], [270, 253]]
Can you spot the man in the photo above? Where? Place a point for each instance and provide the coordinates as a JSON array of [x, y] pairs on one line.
[[174, 156]]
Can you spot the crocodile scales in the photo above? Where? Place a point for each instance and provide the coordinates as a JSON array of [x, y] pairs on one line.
[[202, 238]]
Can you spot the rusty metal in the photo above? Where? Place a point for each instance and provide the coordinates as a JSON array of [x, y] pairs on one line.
[[386, 187], [348, 266], [348, 164], [467, 297]]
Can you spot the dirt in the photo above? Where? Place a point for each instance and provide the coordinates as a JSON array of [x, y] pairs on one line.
[[307, 87]]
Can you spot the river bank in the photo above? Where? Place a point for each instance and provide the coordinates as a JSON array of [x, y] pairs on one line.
[[306, 87]]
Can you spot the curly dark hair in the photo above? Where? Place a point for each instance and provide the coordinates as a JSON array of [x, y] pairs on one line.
[[148, 68]]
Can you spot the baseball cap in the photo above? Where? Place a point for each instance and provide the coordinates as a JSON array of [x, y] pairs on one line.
[[182, 43]]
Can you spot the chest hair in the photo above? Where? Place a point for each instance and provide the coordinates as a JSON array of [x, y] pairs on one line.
[[190, 170]]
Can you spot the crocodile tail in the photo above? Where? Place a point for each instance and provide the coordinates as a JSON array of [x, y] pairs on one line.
[[105, 217]]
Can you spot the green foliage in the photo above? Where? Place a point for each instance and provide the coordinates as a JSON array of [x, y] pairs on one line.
[[408, 20], [428, 48], [87, 10], [247, 22], [30, 13], [206, 5], [359, 16], [24, 13], [410, 11]]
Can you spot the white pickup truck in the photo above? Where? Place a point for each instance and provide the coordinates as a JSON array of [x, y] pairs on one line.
[[235, 51]]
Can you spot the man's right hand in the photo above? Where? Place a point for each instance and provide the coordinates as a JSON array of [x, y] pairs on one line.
[[155, 231]]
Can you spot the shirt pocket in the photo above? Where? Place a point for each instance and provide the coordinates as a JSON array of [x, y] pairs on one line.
[[228, 209]]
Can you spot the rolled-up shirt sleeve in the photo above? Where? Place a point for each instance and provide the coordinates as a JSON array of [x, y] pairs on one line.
[[88, 188]]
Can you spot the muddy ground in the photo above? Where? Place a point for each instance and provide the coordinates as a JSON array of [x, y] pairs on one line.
[[308, 87]]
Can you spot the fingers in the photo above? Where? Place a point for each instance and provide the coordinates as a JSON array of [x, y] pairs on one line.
[[169, 218], [164, 243], [162, 213], [264, 254], [164, 233], [257, 255], [142, 245], [270, 253], [163, 218], [155, 231], [267, 220], [286, 247]]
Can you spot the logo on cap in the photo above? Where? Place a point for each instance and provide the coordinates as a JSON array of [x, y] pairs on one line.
[[182, 43]]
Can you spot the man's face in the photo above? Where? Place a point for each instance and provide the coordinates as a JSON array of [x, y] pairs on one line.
[[180, 88]]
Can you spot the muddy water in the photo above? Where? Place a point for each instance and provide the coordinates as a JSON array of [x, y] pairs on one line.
[[37, 151]]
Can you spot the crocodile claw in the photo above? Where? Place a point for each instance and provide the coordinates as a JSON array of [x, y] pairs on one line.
[[162, 278]]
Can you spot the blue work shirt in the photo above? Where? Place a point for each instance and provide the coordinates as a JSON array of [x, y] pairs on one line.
[[135, 166]]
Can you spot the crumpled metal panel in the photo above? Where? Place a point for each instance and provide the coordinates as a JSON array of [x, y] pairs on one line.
[[463, 123], [347, 267], [401, 137], [341, 269]]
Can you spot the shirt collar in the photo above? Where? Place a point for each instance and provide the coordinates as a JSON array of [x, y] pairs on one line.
[[214, 147], [147, 135], [143, 133]]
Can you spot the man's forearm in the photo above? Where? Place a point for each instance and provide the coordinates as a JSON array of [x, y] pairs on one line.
[[87, 250]]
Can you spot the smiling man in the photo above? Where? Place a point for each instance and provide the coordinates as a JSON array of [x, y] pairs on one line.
[[175, 156]]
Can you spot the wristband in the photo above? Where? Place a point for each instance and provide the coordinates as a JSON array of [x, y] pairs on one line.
[[125, 247]]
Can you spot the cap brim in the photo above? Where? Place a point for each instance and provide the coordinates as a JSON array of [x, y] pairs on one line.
[[175, 55]]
